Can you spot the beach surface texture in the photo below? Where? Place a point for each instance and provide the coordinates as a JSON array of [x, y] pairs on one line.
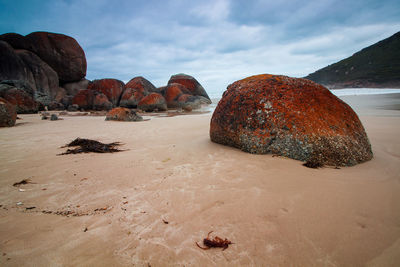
[[149, 204]]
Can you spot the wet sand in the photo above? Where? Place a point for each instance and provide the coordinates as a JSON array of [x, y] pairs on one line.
[[151, 203]]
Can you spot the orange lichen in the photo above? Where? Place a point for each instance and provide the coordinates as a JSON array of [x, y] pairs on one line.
[[173, 91], [191, 85], [84, 99], [184, 98], [112, 88], [265, 113], [123, 114], [152, 99]]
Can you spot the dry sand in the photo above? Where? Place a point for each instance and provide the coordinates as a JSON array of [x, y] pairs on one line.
[[277, 212]]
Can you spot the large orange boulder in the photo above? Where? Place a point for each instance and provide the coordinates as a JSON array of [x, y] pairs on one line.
[[122, 114], [292, 117], [112, 88], [8, 115], [152, 102], [135, 90], [190, 83], [61, 52]]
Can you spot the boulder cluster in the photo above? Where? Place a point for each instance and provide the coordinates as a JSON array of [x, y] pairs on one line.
[[44, 69]]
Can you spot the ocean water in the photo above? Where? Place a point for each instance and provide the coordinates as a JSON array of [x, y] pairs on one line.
[[350, 92], [215, 96], [339, 92], [364, 91]]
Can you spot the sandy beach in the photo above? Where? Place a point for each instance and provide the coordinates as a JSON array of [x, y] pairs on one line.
[[148, 205]]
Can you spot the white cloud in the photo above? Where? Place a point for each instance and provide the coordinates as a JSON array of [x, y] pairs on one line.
[[214, 10]]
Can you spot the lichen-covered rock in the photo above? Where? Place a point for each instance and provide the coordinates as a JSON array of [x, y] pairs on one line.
[[112, 88], [190, 83], [292, 117], [162, 89], [122, 114], [172, 92], [91, 100], [8, 114], [23, 102], [84, 99], [152, 102], [131, 97], [101, 102], [136, 89], [142, 83], [62, 53]]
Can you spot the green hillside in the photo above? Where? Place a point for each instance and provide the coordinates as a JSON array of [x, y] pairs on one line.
[[375, 66]]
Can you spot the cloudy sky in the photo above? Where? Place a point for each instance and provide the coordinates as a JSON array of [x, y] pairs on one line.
[[216, 41]]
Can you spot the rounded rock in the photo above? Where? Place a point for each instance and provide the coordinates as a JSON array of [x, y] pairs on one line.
[[122, 114], [112, 88], [136, 89], [152, 102], [84, 99], [62, 53], [292, 117], [190, 83], [173, 92]]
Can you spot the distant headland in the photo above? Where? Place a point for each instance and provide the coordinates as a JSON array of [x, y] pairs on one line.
[[377, 66]]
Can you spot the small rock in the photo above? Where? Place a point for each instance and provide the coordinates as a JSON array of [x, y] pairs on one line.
[[73, 107], [123, 114], [54, 117]]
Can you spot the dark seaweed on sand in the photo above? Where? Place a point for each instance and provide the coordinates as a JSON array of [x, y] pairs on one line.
[[313, 164], [24, 181], [87, 145]]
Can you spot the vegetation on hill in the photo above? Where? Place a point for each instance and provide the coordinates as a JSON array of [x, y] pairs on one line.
[[375, 66]]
